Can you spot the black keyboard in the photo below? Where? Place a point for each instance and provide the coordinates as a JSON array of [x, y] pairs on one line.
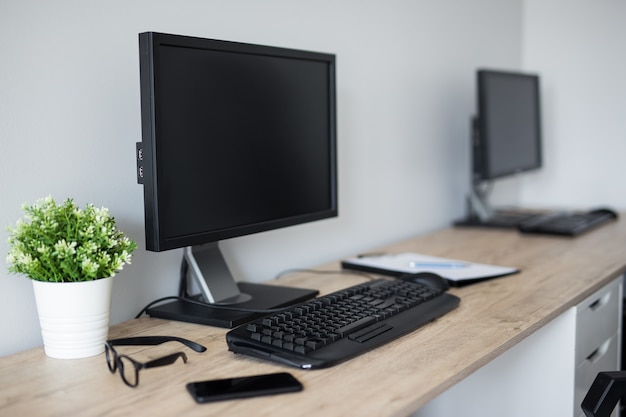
[[567, 223], [333, 328]]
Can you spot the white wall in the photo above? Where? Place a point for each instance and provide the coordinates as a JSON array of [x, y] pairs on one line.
[[69, 119], [578, 47]]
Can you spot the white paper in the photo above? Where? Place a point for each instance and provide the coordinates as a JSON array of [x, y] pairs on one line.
[[451, 269]]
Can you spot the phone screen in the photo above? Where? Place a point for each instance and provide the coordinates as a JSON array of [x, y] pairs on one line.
[[242, 387]]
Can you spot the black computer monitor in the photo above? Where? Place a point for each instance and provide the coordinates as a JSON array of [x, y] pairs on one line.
[[508, 124], [506, 132], [236, 139]]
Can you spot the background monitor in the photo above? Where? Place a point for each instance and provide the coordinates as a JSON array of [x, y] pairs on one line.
[[236, 139], [506, 137], [508, 125]]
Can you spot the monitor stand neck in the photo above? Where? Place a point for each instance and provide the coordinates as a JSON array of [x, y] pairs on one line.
[[207, 268], [478, 203]]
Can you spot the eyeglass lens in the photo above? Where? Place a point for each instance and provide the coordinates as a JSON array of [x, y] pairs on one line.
[[128, 370], [111, 357]]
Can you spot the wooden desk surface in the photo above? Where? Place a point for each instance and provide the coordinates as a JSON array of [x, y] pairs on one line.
[[396, 379]]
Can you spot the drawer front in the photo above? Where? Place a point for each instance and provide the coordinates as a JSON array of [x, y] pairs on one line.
[[605, 358], [597, 319]]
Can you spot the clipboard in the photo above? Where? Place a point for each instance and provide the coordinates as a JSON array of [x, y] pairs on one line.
[[457, 272]]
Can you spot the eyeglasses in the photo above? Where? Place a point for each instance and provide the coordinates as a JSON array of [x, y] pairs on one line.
[[129, 368]]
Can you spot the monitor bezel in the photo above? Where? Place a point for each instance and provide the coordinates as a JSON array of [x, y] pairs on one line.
[[150, 43]]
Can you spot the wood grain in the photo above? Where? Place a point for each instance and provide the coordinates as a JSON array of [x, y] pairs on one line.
[[396, 379]]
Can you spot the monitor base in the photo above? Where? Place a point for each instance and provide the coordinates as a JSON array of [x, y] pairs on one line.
[[263, 297]]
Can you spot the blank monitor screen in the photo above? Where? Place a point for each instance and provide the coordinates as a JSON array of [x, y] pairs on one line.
[[509, 124], [240, 138]]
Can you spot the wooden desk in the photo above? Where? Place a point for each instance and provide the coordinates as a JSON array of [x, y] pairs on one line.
[[396, 379]]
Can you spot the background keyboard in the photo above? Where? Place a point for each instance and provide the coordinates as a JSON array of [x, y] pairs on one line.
[[341, 325], [567, 223]]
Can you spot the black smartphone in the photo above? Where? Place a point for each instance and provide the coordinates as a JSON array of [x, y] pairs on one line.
[[242, 387]]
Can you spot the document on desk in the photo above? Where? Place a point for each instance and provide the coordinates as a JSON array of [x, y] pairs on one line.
[[457, 272]]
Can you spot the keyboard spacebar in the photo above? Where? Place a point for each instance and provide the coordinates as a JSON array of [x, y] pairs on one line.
[[370, 332], [357, 325]]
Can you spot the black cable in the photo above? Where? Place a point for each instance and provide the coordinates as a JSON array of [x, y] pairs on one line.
[[318, 271]]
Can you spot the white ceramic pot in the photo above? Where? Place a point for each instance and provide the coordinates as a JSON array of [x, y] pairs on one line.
[[74, 316]]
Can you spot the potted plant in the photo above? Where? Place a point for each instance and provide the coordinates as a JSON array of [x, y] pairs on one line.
[[71, 255]]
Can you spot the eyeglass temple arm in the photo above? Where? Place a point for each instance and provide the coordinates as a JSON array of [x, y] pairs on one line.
[[155, 340], [166, 360]]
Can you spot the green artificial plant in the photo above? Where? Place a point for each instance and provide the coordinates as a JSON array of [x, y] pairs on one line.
[[64, 243]]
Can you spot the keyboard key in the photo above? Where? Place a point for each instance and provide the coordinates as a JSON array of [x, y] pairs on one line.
[[359, 324]]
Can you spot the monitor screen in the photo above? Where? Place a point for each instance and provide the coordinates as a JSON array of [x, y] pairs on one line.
[[507, 139], [237, 138]]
